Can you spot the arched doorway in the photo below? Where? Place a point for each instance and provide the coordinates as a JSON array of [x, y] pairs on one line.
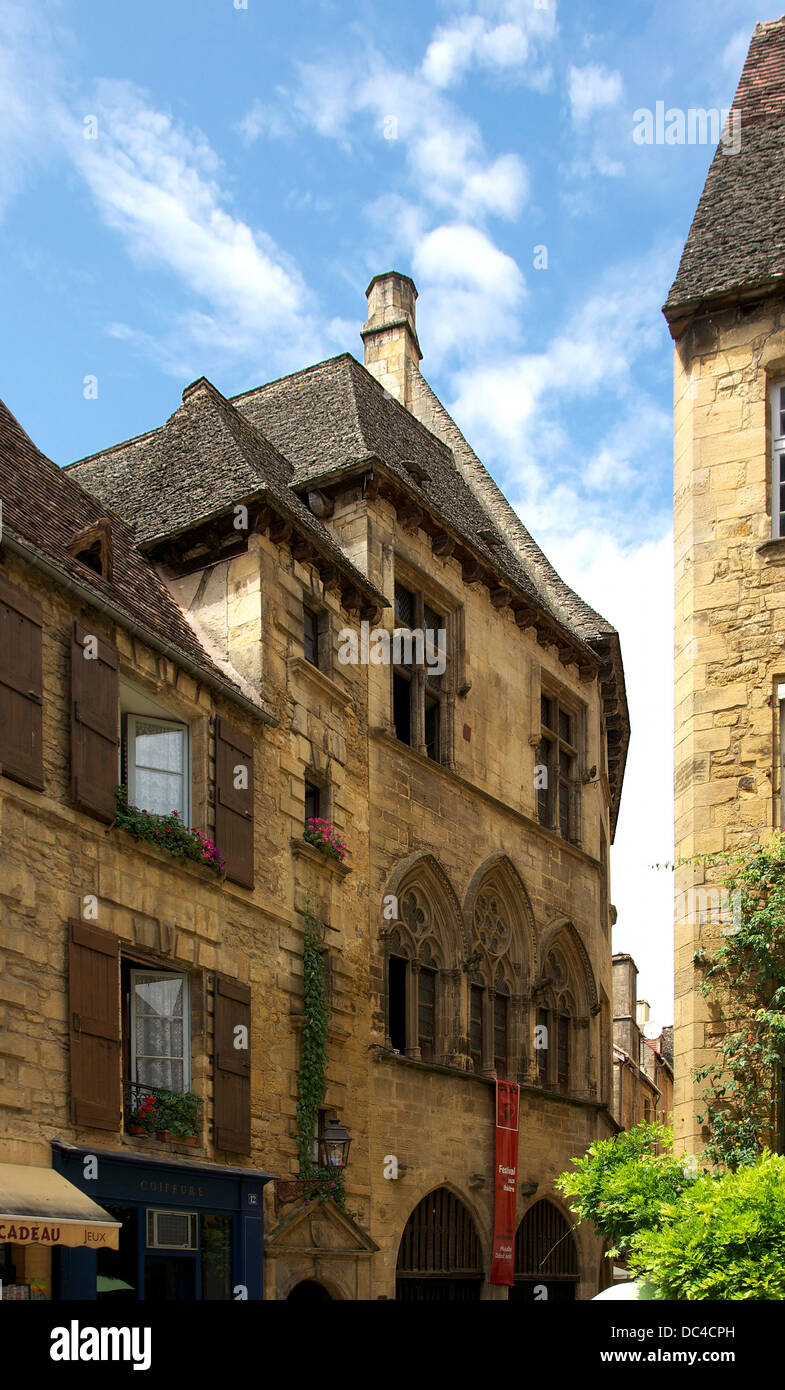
[[546, 1256], [439, 1258], [309, 1291]]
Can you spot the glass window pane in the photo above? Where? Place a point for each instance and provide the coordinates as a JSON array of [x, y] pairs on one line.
[[312, 801], [159, 1030], [542, 1051], [160, 793], [565, 726], [215, 1244], [546, 712], [475, 1026], [432, 621], [542, 777], [564, 810], [160, 748], [432, 728], [404, 606], [311, 636], [564, 1048], [402, 713], [426, 1009], [500, 1034]]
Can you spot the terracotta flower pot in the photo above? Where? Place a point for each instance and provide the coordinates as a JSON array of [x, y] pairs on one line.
[[167, 1137]]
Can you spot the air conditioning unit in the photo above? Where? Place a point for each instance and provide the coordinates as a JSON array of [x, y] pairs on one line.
[[172, 1230]]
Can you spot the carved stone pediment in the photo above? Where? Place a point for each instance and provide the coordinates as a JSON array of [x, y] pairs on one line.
[[319, 1228]]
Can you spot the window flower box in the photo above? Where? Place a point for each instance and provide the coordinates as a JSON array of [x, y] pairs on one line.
[[173, 1117], [325, 837], [167, 833]]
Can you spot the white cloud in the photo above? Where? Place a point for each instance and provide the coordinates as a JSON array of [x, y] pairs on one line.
[[445, 155], [499, 36], [591, 88], [29, 74], [735, 50], [263, 119], [511, 405], [157, 186], [470, 292]]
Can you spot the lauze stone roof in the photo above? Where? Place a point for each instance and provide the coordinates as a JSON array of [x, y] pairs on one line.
[[736, 244], [286, 438]]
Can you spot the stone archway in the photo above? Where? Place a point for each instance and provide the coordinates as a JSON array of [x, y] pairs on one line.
[[309, 1291], [440, 1256], [546, 1257], [318, 1245]]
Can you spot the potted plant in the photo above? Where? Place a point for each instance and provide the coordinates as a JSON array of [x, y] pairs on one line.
[[323, 834], [167, 833], [143, 1118], [178, 1116]]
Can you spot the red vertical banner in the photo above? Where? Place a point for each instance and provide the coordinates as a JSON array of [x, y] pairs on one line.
[[508, 1095]]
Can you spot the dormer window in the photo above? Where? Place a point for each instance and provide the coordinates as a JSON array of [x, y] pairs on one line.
[[777, 399], [92, 548]]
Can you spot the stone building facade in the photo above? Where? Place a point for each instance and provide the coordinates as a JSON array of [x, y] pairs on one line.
[[642, 1064], [243, 569], [726, 313]]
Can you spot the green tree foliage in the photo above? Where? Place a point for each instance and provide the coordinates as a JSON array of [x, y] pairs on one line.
[[745, 976], [723, 1239], [623, 1184]]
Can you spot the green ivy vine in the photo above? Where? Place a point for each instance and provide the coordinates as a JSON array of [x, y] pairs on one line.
[[745, 975], [320, 1184]]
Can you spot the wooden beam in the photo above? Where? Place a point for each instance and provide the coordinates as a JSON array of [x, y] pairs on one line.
[[280, 530], [303, 550], [500, 597], [260, 522], [471, 571], [442, 544], [320, 504], [410, 516]]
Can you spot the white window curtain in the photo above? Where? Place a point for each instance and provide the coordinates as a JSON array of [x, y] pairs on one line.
[[160, 1035], [158, 766]]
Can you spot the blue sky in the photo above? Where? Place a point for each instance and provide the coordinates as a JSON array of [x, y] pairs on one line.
[[253, 167]]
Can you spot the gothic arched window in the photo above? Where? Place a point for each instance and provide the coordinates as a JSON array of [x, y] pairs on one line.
[[491, 985], [415, 962]]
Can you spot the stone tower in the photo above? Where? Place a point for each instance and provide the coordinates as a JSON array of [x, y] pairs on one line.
[[726, 313]]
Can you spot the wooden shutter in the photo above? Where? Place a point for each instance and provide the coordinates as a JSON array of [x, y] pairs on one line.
[[234, 805], [94, 1019], [21, 703], [232, 1073], [94, 718]]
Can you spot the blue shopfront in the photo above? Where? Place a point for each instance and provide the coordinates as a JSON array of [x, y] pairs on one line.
[[189, 1231]]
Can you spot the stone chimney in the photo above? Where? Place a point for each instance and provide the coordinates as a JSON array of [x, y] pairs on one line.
[[392, 352]]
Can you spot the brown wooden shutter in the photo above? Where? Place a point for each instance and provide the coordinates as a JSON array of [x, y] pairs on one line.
[[21, 703], [234, 805], [94, 717], [94, 1018], [232, 1073]]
